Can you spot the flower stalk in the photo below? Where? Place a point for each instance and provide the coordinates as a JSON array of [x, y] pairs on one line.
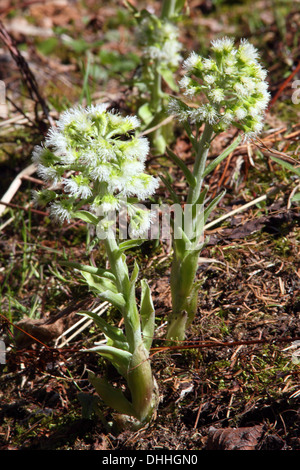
[[231, 87], [138, 372]]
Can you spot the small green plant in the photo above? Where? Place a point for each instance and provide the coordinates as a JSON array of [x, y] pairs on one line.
[[233, 92], [157, 38], [95, 165]]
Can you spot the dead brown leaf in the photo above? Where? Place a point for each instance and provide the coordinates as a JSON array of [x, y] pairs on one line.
[[246, 438]]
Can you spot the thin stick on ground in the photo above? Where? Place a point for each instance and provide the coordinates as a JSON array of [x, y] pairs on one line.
[[15, 185], [27, 74]]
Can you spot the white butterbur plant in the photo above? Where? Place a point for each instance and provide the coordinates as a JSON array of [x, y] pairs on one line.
[[227, 89], [94, 163], [157, 37]]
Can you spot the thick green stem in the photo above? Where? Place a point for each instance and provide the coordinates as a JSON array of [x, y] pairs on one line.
[[117, 265], [200, 162], [185, 264], [156, 94], [159, 113], [182, 280], [142, 384], [139, 375], [120, 270]]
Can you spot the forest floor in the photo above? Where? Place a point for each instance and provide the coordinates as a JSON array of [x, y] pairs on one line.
[[234, 382]]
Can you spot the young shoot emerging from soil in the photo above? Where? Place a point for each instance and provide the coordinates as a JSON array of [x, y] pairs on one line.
[[229, 89], [93, 159]]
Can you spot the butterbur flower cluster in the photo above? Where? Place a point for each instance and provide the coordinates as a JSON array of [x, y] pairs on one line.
[[92, 157], [159, 40], [233, 86]]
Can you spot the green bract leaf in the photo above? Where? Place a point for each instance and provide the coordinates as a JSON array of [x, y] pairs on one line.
[[118, 357], [189, 176], [147, 313], [145, 113], [221, 157], [129, 244], [111, 396], [135, 273], [179, 5], [189, 263], [98, 283], [117, 300], [213, 204], [171, 191], [202, 195], [86, 217], [89, 269], [168, 76], [115, 334], [105, 289], [131, 293], [181, 242], [192, 302]]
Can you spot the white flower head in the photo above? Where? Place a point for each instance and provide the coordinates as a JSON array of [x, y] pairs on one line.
[[240, 89], [229, 87], [48, 174], [93, 153], [137, 149], [209, 79], [185, 82], [178, 108], [217, 95], [133, 121], [262, 102], [159, 41], [69, 116], [109, 203], [247, 52], [191, 62], [140, 222], [60, 211], [132, 168], [228, 117], [205, 113], [248, 83], [78, 187], [36, 154], [240, 113], [142, 186], [96, 109], [208, 64], [42, 198], [100, 172], [222, 45]]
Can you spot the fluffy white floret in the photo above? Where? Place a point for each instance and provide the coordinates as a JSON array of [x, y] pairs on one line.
[[71, 186], [222, 45], [247, 51], [191, 61], [59, 212]]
